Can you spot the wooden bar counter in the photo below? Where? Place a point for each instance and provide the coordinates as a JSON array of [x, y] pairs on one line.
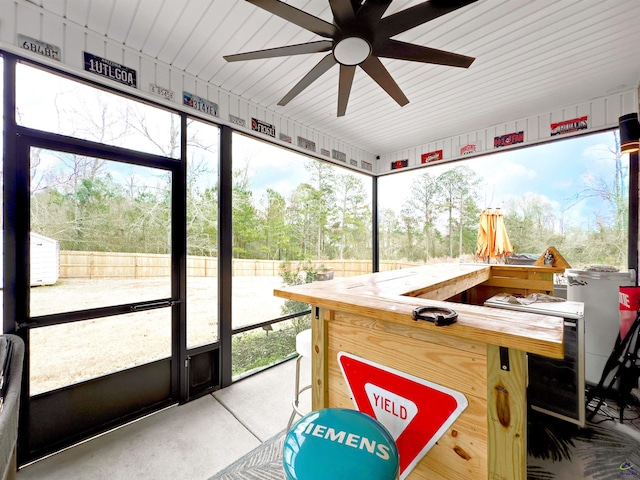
[[483, 355]]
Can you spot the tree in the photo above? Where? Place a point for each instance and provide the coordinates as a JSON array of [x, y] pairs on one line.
[[75, 186], [604, 237], [245, 221], [297, 274], [529, 222], [151, 219], [390, 235], [608, 243], [202, 221], [321, 196], [275, 235], [468, 226], [300, 220], [457, 186], [202, 188], [423, 207], [352, 216]]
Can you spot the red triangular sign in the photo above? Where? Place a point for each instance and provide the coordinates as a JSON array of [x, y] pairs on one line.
[[415, 411]]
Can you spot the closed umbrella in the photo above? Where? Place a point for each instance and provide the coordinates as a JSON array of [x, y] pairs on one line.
[[493, 240], [485, 234], [502, 245]]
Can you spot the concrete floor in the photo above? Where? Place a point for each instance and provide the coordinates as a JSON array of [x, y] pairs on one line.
[[196, 440], [186, 442]]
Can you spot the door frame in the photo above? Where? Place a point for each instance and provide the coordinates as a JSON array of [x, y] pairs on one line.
[[58, 419]]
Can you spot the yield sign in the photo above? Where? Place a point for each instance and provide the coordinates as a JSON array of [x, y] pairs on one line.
[[415, 411]]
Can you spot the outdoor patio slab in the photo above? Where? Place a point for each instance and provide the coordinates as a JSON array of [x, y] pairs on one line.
[[257, 401], [191, 441]]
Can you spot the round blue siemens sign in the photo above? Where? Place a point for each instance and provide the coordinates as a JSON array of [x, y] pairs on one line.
[[337, 443]]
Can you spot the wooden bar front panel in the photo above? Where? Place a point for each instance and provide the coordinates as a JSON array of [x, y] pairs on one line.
[[462, 452]]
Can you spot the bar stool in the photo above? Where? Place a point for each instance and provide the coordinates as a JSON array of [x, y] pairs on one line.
[[338, 443], [303, 347]]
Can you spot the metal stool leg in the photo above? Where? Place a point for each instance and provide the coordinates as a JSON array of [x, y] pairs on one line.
[[296, 395]]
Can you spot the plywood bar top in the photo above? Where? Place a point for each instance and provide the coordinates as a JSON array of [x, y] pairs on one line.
[[393, 295]]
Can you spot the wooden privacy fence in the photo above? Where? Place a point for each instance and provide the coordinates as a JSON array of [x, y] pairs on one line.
[[136, 265]]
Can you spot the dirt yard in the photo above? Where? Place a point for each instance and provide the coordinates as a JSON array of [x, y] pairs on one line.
[[70, 353]]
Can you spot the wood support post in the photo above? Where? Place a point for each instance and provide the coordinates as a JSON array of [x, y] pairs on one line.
[[507, 415]]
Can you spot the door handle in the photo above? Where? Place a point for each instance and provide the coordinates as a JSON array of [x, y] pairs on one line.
[[151, 305]]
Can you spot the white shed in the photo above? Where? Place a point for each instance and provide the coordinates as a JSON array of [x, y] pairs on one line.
[[45, 260]]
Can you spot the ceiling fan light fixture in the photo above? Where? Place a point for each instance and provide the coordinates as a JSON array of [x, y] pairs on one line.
[[351, 51]]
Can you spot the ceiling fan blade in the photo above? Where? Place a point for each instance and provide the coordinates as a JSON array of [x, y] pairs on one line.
[[377, 71], [325, 64], [302, 48], [418, 53], [372, 11], [344, 87], [417, 15], [343, 13], [294, 15]]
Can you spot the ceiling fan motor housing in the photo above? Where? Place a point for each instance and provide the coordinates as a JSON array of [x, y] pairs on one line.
[[351, 51]]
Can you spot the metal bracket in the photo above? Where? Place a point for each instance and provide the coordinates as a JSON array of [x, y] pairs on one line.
[[504, 359], [317, 313]]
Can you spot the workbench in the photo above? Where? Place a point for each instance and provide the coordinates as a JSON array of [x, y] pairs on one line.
[[482, 355]]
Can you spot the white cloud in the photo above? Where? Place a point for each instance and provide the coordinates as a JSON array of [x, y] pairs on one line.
[[598, 151]]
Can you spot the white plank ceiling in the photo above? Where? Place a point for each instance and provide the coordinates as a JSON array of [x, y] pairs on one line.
[[531, 56]]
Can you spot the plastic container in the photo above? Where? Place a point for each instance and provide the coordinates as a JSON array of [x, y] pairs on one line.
[[599, 290]]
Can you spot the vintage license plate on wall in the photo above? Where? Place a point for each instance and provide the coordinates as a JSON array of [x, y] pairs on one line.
[[111, 70]]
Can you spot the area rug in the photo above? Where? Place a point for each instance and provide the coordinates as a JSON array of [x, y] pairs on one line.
[[262, 463], [603, 450]]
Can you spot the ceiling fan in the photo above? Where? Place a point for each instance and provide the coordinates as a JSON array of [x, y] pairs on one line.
[[357, 37]]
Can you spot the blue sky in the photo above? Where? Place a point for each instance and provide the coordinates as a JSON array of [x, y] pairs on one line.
[[556, 172], [277, 168]]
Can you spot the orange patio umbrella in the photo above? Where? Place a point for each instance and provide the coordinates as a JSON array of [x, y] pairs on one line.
[[493, 240]]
